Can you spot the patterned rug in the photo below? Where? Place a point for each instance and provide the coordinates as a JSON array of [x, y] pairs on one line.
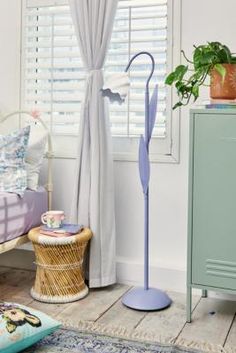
[[71, 341]]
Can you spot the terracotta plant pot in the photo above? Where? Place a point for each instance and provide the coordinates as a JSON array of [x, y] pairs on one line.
[[224, 89]]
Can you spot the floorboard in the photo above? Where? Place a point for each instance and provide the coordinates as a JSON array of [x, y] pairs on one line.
[[168, 323], [231, 338], [119, 315], [211, 321], [3, 270], [94, 305], [50, 309], [16, 278], [15, 284]]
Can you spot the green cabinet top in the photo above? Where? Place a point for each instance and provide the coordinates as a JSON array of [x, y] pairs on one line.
[[202, 110]]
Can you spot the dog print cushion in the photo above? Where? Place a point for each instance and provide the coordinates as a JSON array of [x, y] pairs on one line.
[[21, 326]]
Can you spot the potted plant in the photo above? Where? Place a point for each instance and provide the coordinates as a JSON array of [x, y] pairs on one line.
[[213, 60]]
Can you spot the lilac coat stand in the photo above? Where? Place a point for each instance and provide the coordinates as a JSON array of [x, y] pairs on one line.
[[145, 298]]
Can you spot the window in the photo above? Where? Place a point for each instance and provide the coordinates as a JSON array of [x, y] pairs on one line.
[[53, 75], [139, 25]]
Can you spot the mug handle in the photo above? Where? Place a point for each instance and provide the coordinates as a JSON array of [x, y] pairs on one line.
[[43, 220], [62, 219]]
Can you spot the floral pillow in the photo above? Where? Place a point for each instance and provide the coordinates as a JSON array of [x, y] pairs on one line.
[[21, 327], [13, 176]]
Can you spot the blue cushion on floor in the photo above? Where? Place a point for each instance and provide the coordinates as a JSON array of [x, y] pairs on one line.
[[21, 326]]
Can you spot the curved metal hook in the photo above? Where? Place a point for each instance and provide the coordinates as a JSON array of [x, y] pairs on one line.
[[152, 60], [146, 91]]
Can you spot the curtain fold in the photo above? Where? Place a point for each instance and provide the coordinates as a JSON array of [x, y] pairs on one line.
[[93, 199]]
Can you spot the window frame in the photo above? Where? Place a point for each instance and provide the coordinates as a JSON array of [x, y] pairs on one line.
[[163, 150]]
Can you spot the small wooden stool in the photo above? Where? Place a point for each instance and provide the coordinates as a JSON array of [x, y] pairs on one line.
[[59, 274]]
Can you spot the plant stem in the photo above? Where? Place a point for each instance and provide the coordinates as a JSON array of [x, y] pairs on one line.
[[189, 61]]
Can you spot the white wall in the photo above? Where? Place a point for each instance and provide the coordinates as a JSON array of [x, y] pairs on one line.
[[10, 40], [201, 21]]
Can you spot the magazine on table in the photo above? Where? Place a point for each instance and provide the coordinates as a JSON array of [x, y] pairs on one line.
[[65, 230]]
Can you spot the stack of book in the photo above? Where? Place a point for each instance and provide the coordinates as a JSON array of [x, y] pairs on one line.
[[65, 230]]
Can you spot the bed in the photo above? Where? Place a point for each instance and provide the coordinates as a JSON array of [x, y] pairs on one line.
[[18, 215]]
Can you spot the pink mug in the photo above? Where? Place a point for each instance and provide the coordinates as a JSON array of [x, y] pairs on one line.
[[53, 219]]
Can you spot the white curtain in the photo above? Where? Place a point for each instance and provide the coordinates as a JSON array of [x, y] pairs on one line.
[[93, 202]]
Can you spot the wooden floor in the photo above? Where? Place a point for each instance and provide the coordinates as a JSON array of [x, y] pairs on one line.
[[213, 319]]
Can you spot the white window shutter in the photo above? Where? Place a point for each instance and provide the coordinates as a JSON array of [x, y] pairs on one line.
[[53, 75], [53, 70], [140, 25]]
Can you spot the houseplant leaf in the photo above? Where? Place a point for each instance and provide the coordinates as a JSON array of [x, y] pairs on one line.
[[144, 165], [153, 110], [207, 59], [221, 70], [176, 75], [195, 92], [180, 71], [228, 54], [170, 78]]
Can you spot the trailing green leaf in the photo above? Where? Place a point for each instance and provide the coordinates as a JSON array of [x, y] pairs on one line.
[[205, 58], [195, 91], [170, 78], [180, 72], [176, 75], [178, 104]]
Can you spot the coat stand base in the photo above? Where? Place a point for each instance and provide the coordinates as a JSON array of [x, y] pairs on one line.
[[146, 299]]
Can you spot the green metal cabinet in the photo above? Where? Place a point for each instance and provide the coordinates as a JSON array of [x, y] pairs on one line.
[[212, 202]]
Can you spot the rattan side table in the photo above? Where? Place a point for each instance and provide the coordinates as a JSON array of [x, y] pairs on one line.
[[59, 261]]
